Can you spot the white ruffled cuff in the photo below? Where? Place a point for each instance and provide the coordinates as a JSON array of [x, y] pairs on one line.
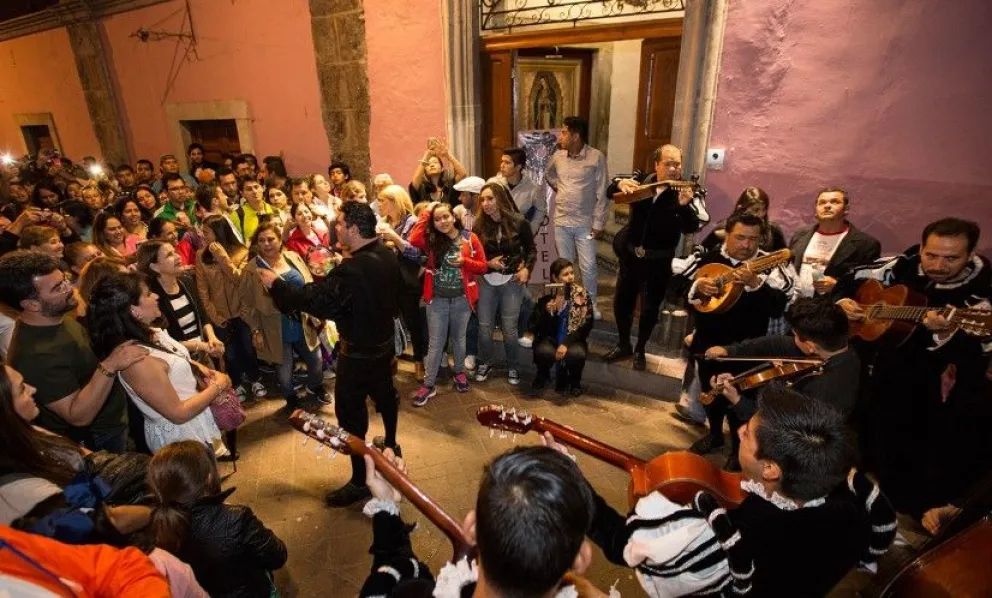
[[377, 505]]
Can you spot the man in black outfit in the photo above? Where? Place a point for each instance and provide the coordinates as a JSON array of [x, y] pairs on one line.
[[821, 331], [925, 422], [764, 297], [360, 297], [645, 248]]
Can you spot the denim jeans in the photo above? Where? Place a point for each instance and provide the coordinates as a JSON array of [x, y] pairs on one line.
[[239, 353], [576, 242], [526, 307], [315, 374], [505, 299], [447, 319]]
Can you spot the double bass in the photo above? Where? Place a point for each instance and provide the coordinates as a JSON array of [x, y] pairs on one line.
[[678, 475]]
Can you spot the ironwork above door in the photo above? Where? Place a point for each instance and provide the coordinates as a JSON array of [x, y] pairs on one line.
[[497, 15]]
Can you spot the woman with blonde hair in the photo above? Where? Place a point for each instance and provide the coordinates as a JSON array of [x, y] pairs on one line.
[[397, 222]]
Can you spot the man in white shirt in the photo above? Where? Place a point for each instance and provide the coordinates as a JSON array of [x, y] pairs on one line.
[[577, 173], [531, 200]]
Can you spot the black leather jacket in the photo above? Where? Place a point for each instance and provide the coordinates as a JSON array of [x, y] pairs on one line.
[[230, 550]]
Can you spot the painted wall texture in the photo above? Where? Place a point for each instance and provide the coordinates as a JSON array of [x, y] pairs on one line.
[[248, 50], [38, 74], [887, 99], [406, 79]]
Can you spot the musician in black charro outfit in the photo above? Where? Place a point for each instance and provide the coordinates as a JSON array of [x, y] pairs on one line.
[[645, 248], [764, 297], [925, 425]]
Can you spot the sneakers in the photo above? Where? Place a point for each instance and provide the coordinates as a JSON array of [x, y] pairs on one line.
[[461, 382], [242, 395], [513, 376], [319, 395], [526, 341], [470, 362], [258, 389], [423, 395], [482, 372], [346, 495]]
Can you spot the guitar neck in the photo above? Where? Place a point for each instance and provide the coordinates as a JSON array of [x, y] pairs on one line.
[[760, 264], [424, 503], [909, 313], [589, 446]]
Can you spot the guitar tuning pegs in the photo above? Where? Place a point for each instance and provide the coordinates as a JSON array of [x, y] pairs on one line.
[[333, 456], [306, 426]]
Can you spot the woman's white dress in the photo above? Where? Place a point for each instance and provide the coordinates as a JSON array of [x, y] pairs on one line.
[[159, 431]]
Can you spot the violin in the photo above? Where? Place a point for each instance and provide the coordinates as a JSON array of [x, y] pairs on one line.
[[648, 190], [778, 369], [678, 475]]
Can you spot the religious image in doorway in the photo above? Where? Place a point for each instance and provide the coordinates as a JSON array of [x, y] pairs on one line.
[[548, 92], [539, 146]]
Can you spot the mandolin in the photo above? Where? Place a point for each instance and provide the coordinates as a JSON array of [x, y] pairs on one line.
[[345, 443], [647, 191], [678, 475], [893, 313], [728, 279]]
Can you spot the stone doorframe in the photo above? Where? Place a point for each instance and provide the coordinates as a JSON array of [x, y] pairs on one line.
[[179, 137], [699, 70]]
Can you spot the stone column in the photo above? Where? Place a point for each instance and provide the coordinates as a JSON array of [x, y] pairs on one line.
[[699, 72], [460, 43], [86, 40], [338, 28]]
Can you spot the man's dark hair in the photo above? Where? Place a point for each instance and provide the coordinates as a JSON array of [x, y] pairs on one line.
[[954, 227], [223, 171], [275, 166], [820, 320], [743, 218], [808, 440], [239, 160], [516, 154], [194, 146], [244, 181], [79, 211], [124, 168], [533, 511], [294, 183], [251, 158], [843, 193], [360, 215], [205, 195], [18, 270], [148, 162], [578, 126], [345, 169], [171, 176]]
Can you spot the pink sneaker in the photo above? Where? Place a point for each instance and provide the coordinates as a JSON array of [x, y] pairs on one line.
[[424, 394], [461, 382]]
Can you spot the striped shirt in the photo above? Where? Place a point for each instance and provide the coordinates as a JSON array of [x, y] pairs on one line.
[[185, 316]]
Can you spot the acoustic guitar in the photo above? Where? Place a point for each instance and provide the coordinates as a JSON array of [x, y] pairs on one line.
[[728, 280], [678, 475], [893, 313], [343, 442]]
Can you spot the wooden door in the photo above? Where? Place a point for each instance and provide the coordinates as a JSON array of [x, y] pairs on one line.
[[656, 98], [497, 109]]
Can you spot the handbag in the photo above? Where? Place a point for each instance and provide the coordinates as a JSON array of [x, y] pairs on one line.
[[226, 408]]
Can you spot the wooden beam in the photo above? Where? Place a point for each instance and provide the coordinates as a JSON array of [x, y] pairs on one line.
[[590, 34]]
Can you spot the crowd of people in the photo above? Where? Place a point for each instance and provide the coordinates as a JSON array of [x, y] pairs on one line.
[[140, 307]]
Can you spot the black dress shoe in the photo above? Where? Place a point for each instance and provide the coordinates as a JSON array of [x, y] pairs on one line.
[[733, 464], [682, 414], [618, 352], [229, 458], [706, 444], [575, 390], [346, 495], [640, 361]]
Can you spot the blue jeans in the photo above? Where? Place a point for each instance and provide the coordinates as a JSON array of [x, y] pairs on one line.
[[526, 307], [315, 374], [239, 354], [576, 242], [505, 299], [447, 319]]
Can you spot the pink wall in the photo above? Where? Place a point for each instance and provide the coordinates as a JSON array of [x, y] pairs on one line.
[[888, 99], [252, 50], [406, 74], [38, 74]]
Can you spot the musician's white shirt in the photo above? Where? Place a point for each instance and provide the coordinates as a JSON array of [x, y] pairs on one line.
[[819, 252]]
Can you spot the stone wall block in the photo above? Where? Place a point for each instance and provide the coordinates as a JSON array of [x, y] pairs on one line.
[[350, 37], [323, 8], [324, 46]]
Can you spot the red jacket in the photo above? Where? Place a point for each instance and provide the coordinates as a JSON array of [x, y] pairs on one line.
[[473, 259], [301, 244], [85, 571]]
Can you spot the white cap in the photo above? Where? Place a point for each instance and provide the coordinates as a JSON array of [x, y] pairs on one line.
[[472, 184]]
